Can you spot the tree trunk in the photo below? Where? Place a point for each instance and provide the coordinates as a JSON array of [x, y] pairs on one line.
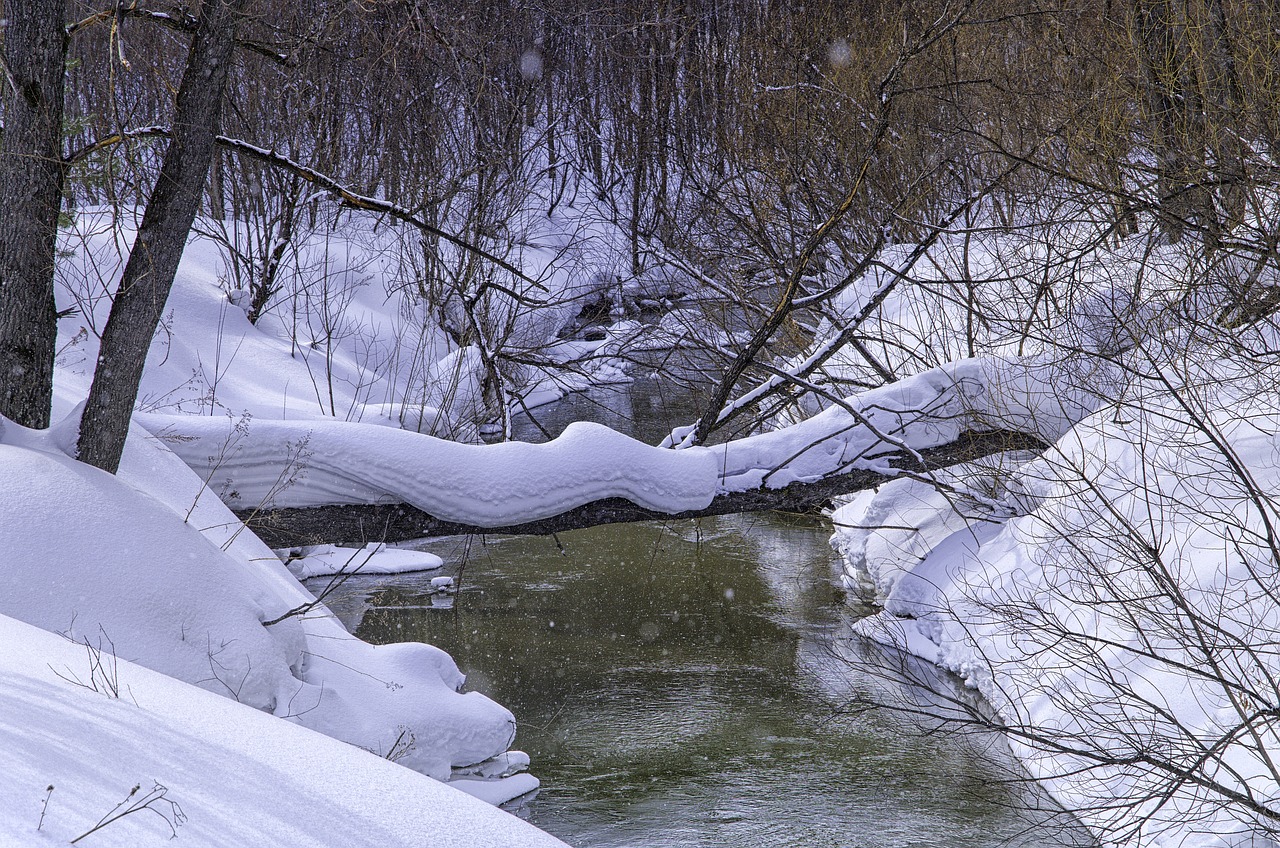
[[153, 262], [31, 175], [1161, 69], [1223, 83]]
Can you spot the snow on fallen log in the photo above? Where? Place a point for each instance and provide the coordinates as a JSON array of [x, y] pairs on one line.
[[1038, 397], [311, 463], [257, 464]]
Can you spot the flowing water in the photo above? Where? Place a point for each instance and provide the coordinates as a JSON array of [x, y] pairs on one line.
[[686, 684]]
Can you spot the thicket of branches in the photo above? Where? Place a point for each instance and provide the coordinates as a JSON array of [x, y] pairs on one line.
[[772, 152]]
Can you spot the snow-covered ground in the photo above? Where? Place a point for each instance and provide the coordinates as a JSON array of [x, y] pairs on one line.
[[1125, 625], [214, 772], [149, 566], [1113, 600]]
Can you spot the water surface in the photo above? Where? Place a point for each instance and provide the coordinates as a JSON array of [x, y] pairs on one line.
[[676, 685]]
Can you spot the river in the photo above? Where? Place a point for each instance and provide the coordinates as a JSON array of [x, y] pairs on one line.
[[686, 684]]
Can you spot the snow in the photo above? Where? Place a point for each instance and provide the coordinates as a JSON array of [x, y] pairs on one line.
[[1128, 611], [882, 534], [374, 558], [1031, 394], [160, 593], [239, 776], [259, 463], [187, 591], [1061, 588], [293, 464], [156, 570]]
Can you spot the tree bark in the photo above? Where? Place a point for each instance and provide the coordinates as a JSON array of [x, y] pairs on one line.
[[31, 176], [1162, 59], [363, 523], [153, 262]]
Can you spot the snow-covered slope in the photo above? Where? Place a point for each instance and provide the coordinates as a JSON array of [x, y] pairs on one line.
[[226, 774], [1125, 625], [150, 566]]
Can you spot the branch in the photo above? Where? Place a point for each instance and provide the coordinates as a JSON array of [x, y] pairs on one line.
[[791, 287], [400, 522], [336, 189], [179, 20]]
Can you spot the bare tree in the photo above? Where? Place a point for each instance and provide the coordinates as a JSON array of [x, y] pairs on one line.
[[153, 262]]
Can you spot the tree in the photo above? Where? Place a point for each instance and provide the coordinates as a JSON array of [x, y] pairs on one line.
[[31, 181], [166, 223]]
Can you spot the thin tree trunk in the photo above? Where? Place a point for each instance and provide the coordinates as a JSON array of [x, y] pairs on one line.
[[1224, 96], [31, 175], [1161, 68], [153, 262]]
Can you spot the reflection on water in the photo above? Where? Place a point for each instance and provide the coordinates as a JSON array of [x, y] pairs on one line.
[[668, 391], [676, 685]]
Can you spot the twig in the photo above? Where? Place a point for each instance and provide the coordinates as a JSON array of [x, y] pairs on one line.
[[156, 795]]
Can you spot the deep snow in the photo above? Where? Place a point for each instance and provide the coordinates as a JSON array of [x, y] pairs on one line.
[[1114, 599], [237, 775]]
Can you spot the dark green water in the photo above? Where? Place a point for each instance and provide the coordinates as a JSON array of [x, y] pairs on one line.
[[676, 685]]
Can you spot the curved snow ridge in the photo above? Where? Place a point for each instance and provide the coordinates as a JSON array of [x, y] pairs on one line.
[[1027, 394], [311, 463], [71, 567]]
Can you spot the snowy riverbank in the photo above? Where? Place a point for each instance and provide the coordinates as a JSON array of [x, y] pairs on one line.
[[149, 567], [212, 771], [1112, 599]]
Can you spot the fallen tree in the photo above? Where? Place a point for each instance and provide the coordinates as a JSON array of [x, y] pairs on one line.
[[306, 481], [362, 523]]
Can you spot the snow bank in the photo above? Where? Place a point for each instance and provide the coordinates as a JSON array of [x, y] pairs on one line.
[[238, 776], [1126, 625], [882, 534], [102, 563], [151, 566]]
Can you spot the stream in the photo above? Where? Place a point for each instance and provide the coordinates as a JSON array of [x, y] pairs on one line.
[[686, 683]]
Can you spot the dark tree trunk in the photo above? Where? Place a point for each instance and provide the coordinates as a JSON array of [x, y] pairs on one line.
[[153, 262], [1162, 62], [1223, 83], [31, 175]]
